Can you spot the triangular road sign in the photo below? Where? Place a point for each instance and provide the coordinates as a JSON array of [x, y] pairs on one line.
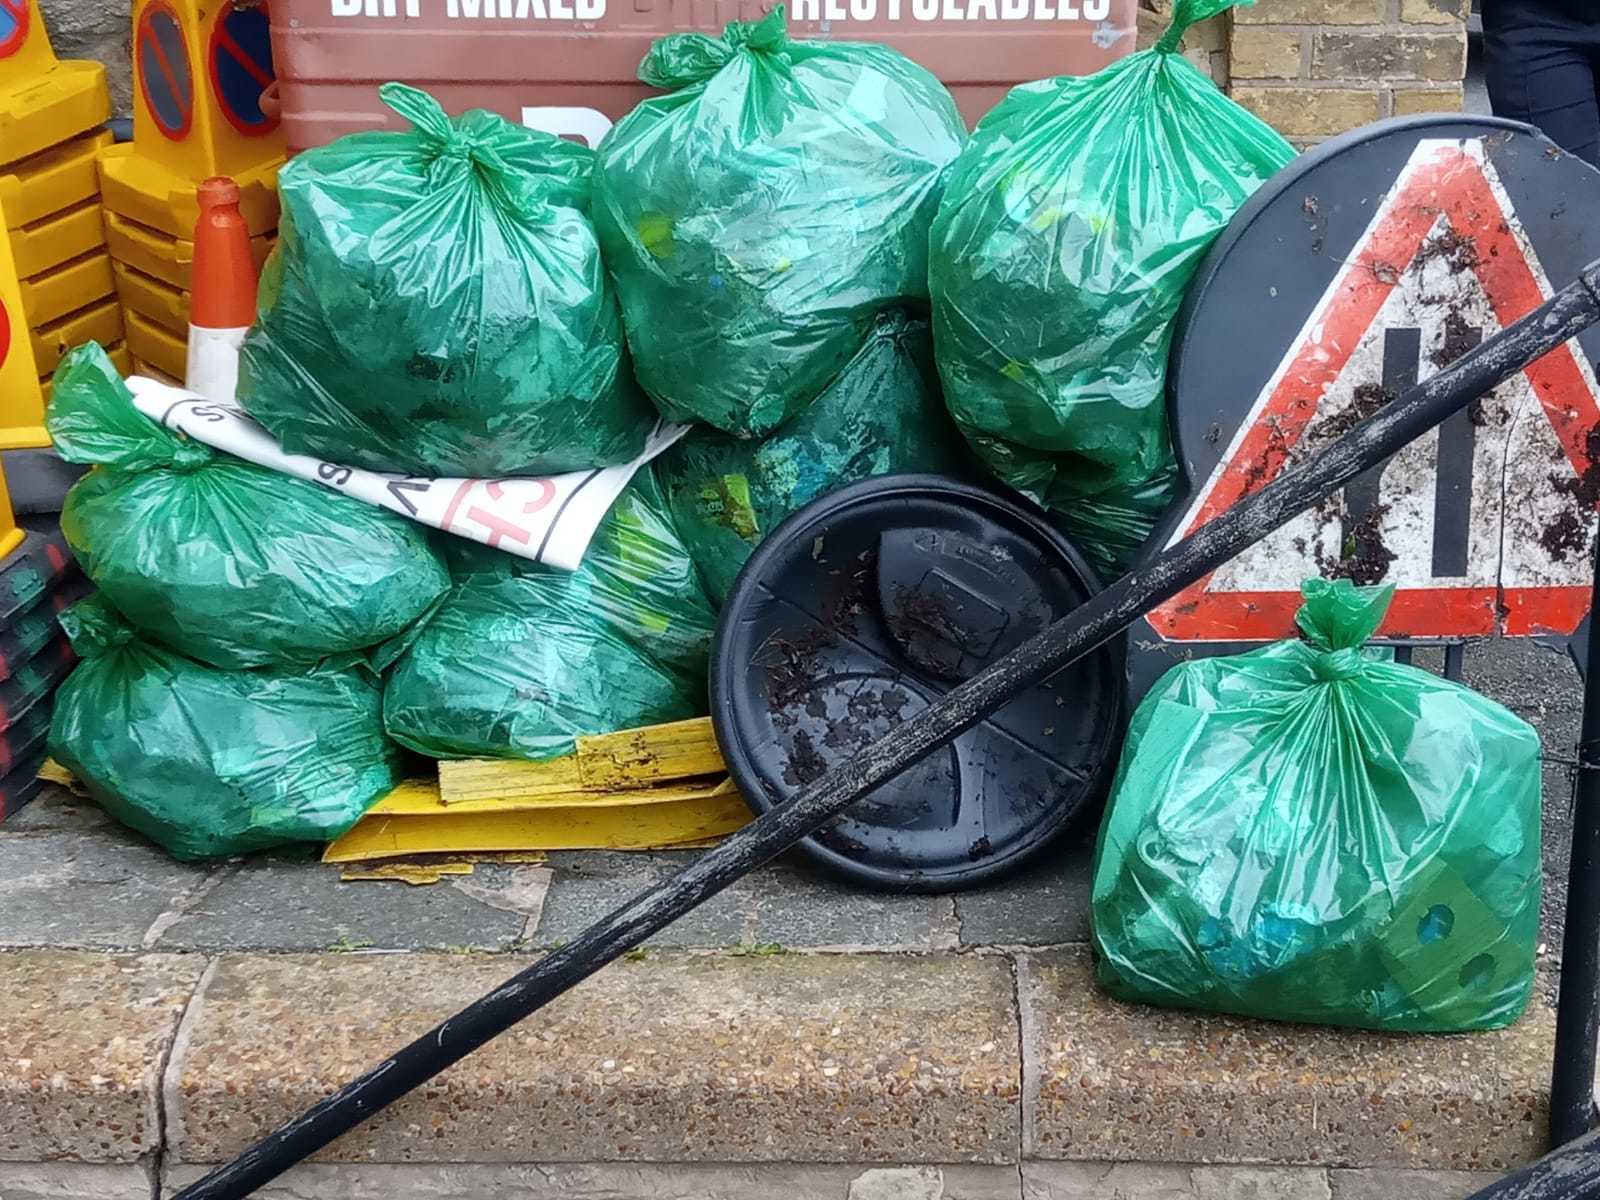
[[1485, 525]]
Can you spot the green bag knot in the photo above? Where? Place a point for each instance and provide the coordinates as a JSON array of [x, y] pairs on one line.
[[95, 628], [425, 113], [1339, 616], [682, 59], [1339, 664], [1190, 12]]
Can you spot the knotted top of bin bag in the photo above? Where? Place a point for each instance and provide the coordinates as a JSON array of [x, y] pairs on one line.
[[1070, 228], [437, 305], [230, 563], [1311, 831], [757, 217], [209, 762]]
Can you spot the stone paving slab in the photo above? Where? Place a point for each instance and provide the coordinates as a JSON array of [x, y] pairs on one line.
[[76, 1181], [83, 1037], [1046, 905], [97, 887], [1379, 1184], [619, 1181], [296, 903], [678, 1057], [1170, 1181], [1113, 1081], [788, 903]]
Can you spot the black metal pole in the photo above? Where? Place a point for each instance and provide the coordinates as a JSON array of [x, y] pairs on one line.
[[1578, 1008], [1568, 313], [1570, 1173]]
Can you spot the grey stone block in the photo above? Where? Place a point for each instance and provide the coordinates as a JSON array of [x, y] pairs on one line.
[[1170, 1181], [279, 903], [622, 1181], [787, 903], [1379, 1184], [102, 889], [1047, 905], [75, 1181]]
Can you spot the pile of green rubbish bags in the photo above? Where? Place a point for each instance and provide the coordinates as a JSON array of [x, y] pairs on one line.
[[798, 249]]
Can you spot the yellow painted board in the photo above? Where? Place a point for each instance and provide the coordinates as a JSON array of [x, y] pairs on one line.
[[71, 286], [58, 238], [142, 189], [21, 402], [120, 359], [411, 820], [60, 177], [51, 107], [100, 322], [169, 259], [630, 758], [148, 296], [158, 347]]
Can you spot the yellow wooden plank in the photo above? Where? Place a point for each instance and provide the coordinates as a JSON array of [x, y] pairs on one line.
[[627, 760], [640, 757], [648, 826]]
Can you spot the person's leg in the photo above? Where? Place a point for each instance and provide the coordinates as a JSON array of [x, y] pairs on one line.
[[1539, 67]]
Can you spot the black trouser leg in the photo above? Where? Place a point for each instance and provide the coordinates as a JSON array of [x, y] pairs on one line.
[[1540, 64]]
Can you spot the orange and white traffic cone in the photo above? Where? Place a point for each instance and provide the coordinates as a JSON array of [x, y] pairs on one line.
[[222, 303]]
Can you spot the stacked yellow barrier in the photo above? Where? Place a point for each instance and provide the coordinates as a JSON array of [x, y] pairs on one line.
[[55, 272], [200, 68]]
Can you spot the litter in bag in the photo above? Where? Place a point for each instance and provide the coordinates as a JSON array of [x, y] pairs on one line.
[[209, 762], [1069, 230], [1313, 832], [758, 216], [437, 305], [521, 658], [881, 415], [230, 563]]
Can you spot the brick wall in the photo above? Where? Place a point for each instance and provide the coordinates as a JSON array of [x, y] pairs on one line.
[[1312, 68]]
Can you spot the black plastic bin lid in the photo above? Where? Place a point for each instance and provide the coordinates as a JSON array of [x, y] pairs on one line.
[[862, 609]]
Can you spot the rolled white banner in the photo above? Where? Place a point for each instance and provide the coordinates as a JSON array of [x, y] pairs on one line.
[[549, 519]]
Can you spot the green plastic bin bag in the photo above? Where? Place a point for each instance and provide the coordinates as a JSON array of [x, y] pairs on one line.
[[1068, 233], [758, 216], [882, 415], [230, 563], [208, 762], [1313, 832], [437, 305], [522, 658]]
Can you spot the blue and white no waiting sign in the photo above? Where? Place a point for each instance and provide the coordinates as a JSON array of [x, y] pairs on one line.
[[240, 65]]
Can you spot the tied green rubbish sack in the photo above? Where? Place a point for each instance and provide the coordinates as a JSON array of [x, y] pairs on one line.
[[233, 564], [1069, 230], [758, 216], [208, 762], [1314, 832], [437, 305], [881, 415], [521, 658]]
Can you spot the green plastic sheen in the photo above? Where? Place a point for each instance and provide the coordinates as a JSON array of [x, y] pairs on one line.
[[1068, 233], [1313, 832], [882, 415], [230, 563], [210, 763], [761, 214], [436, 305], [521, 658]]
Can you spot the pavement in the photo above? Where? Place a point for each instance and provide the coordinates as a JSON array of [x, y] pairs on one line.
[[792, 1034]]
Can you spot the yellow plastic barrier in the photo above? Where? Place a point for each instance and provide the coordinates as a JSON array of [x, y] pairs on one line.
[[200, 67], [43, 101], [67, 288], [154, 346], [21, 400], [171, 260], [150, 297], [57, 239], [101, 322], [45, 183]]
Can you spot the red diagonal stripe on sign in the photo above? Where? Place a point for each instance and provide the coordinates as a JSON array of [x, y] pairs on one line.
[[148, 34], [17, 8], [251, 67], [1452, 183]]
